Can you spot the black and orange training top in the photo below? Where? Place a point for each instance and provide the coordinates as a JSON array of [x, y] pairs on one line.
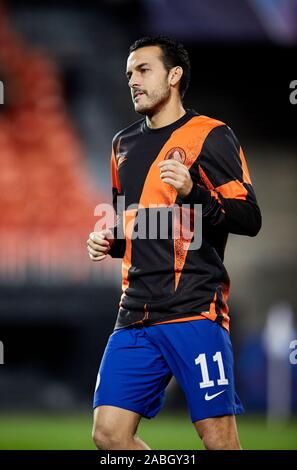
[[162, 279]]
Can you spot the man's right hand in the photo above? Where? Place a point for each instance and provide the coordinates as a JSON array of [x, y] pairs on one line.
[[99, 244]]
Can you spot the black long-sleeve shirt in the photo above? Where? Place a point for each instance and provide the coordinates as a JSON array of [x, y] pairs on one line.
[[162, 279]]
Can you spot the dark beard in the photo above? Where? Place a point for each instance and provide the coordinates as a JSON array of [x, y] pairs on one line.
[[151, 111]]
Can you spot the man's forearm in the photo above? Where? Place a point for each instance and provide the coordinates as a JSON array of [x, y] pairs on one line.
[[237, 216]]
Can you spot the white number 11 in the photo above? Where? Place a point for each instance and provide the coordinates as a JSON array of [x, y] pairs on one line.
[[206, 382]]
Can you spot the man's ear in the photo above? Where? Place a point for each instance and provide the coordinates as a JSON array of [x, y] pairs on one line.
[[175, 75]]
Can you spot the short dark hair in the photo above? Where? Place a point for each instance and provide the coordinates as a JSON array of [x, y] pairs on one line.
[[174, 54]]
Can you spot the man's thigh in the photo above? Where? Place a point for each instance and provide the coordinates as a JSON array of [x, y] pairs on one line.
[[112, 420], [133, 374], [199, 354], [219, 433]]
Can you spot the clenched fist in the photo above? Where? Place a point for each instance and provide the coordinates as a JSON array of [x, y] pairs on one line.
[[177, 175], [99, 244]]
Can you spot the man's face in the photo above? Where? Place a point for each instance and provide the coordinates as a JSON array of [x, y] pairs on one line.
[[148, 80]]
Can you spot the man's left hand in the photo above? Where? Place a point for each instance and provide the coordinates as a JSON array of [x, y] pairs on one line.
[[177, 175]]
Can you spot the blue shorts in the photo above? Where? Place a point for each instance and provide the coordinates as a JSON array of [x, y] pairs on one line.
[[138, 364]]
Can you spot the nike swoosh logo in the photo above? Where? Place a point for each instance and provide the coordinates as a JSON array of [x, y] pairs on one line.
[[210, 397]]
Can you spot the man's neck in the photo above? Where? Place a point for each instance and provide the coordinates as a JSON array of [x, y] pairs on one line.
[[166, 116]]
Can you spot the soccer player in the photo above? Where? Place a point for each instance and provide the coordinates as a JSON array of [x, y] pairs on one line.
[[173, 313]]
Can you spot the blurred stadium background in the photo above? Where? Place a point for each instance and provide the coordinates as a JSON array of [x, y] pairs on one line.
[[65, 96]]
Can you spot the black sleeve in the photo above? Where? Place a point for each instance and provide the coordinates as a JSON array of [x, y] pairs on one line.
[[118, 247], [224, 186]]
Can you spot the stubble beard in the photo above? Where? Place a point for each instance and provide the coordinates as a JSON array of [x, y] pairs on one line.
[[157, 100]]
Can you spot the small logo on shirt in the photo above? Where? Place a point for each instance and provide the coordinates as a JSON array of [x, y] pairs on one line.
[[176, 153], [121, 159], [210, 397]]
